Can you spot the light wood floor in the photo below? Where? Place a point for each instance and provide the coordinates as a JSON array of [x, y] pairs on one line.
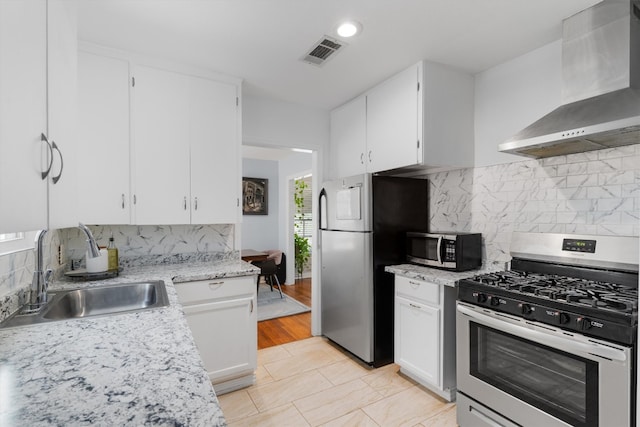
[[291, 328], [313, 383]]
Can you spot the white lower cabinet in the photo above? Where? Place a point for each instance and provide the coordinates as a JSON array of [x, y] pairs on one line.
[[424, 334], [418, 338], [222, 316]]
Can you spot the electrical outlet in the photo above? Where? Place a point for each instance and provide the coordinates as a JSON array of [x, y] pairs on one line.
[[61, 255]]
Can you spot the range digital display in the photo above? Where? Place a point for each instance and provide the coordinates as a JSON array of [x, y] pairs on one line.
[[577, 245]]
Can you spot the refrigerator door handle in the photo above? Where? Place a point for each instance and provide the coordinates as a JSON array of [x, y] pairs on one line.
[[439, 250], [323, 193]]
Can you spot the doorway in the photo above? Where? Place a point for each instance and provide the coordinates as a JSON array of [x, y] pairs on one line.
[[282, 167]]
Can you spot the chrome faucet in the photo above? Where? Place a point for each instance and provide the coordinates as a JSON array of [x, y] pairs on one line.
[[40, 281], [94, 251]]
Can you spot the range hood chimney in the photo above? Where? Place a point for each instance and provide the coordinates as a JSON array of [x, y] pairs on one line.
[[601, 86]]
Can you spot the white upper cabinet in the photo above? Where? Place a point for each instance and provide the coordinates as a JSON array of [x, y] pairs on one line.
[[160, 147], [62, 44], [23, 115], [37, 109], [215, 156], [103, 148], [349, 138], [421, 117], [186, 165], [392, 122]]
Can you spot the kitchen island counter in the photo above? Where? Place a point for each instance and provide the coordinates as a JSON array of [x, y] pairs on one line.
[[139, 368]]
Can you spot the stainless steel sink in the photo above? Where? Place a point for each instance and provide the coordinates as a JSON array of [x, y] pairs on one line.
[[103, 300]]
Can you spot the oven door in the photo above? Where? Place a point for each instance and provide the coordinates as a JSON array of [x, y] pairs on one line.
[[532, 374]]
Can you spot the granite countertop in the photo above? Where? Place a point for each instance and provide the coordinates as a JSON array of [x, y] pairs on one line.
[[140, 368], [441, 277]]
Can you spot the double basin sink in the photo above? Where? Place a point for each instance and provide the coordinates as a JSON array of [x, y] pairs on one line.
[[96, 301]]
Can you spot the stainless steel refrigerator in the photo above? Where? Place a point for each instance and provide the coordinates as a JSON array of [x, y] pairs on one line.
[[363, 220]]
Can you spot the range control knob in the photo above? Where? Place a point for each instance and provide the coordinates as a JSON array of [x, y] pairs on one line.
[[494, 301], [583, 323], [480, 297], [562, 318], [525, 308]]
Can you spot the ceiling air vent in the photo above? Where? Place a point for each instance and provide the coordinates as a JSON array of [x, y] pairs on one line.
[[322, 51]]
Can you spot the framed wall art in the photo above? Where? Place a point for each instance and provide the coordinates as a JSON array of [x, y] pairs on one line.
[[255, 196]]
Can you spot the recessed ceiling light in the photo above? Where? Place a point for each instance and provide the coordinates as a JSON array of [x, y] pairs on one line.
[[349, 29]]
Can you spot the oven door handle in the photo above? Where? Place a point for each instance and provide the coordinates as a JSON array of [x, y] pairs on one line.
[[564, 344]]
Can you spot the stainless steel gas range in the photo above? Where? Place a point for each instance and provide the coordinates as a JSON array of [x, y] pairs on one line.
[[552, 341]]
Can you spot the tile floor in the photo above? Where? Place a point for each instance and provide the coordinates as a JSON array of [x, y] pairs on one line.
[[313, 383]]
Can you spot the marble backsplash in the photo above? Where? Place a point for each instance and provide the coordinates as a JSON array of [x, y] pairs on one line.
[[137, 245], [155, 244], [597, 193]]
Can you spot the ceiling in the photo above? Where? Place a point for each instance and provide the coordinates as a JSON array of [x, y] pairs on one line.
[[262, 41]]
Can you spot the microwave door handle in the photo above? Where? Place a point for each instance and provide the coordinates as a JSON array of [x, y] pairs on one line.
[[323, 193], [439, 250]]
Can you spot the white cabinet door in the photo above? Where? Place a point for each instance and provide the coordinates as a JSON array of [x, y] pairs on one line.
[[23, 115], [417, 339], [214, 142], [349, 139], [161, 147], [103, 148], [62, 44], [392, 122], [225, 333]]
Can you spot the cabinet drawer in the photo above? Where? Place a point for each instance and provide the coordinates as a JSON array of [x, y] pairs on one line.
[[214, 289], [418, 290]]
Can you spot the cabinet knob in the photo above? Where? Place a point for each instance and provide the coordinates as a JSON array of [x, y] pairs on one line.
[[184, 203], [122, 200]]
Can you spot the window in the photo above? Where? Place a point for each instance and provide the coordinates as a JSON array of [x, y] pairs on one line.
[[13, 242], [303, 220]]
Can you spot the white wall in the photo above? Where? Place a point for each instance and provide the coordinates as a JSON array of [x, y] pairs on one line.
[[261, 232], [511, 96], [270, 122]]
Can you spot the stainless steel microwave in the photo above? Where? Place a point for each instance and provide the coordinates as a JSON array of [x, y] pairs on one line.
[[449, 251]]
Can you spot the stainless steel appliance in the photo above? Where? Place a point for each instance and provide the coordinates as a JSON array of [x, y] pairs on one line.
[[449, 251], [600, 92], [552, 341], [363, 220]]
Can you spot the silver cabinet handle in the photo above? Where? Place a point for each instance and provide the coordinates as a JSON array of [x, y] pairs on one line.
[[362, 158], [414, 284], [185, 203], [414, 306], [196, 204], [215, 285], [43, 138], [369, 156], [251, 307], [122, 200], [56, 178]]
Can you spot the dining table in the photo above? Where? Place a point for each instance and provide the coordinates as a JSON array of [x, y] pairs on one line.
[[251, 255]]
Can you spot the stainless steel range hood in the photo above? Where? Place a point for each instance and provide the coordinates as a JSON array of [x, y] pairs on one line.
[[601, 86]]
